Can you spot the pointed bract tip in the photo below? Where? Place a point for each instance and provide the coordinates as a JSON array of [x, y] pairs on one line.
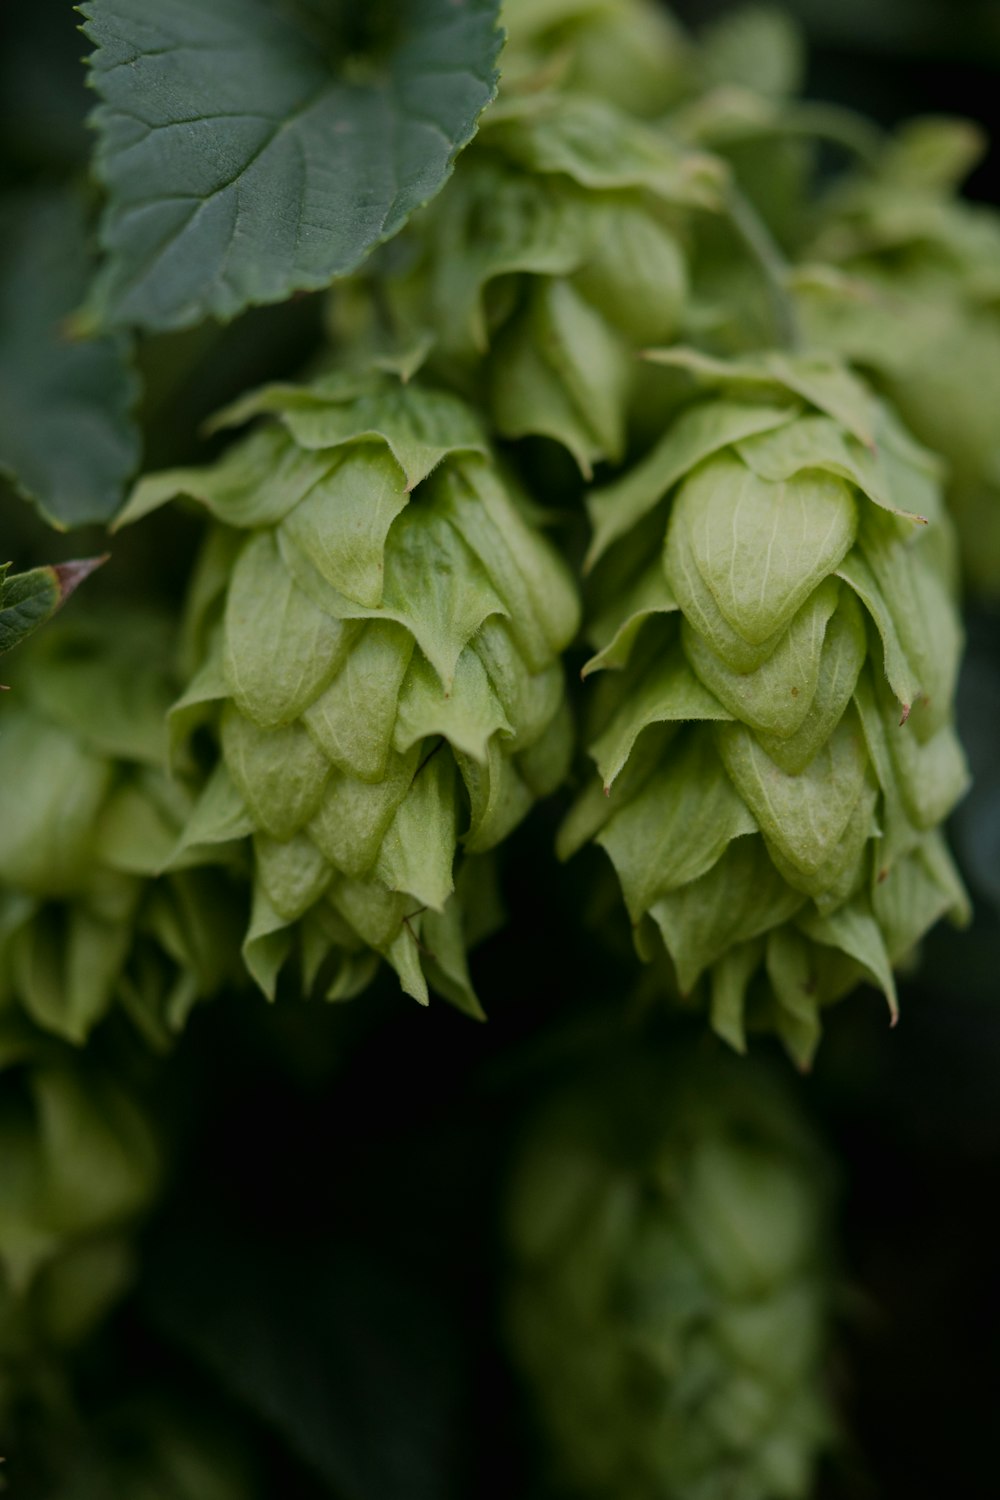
[[70, 575]]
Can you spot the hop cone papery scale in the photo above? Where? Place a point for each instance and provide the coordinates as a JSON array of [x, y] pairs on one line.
[[775, 609], [89, 817], [670, 1292], [379, 621]]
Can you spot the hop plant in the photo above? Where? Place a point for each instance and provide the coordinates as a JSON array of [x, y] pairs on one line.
[[379, 622], [904, 283], [88, 817], [556, 252], [670, 1292], [775, 610]]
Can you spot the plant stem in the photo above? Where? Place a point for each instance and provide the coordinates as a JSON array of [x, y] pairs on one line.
[[767, 253]]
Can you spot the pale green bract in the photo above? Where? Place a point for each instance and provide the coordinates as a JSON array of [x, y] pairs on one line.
[[557, 252], [669, 1293], [904, 280], [88, 817], [378, 624], [774, 607]]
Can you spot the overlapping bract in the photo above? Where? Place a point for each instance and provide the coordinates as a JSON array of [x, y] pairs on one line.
[[88, 818], [775, 732], [556, 252], [670, 1294], [905, 283], [380, 625]]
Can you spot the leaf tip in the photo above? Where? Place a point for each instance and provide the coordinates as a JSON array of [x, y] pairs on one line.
[[70, 575]]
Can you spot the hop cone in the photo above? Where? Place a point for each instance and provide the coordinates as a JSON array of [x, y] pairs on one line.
[[914, 301], [775, 734], [555, 253], [79, 1163], [88, 816], [381, 623], [670, 1296]]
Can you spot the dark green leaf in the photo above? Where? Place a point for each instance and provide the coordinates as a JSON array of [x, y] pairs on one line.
[[67, 439], [27, 600], [247, 157]]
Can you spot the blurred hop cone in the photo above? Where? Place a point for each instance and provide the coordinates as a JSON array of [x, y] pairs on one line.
[[558, 249], [670, 1289], [88, 817]]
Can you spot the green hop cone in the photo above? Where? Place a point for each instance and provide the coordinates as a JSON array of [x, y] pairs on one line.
[[670, 1291], [556, 252], [88, 816], [80, 1162], [904, 282], [380, 622], [775, 611]]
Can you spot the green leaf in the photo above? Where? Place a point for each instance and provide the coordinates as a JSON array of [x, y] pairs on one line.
[[27, 600], [241, 165], [67, 437], [758, 549]]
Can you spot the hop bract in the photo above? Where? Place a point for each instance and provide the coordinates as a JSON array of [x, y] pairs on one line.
[[381, 623], [89, 817], [777, 617], [556, 252], [669, 1293]]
